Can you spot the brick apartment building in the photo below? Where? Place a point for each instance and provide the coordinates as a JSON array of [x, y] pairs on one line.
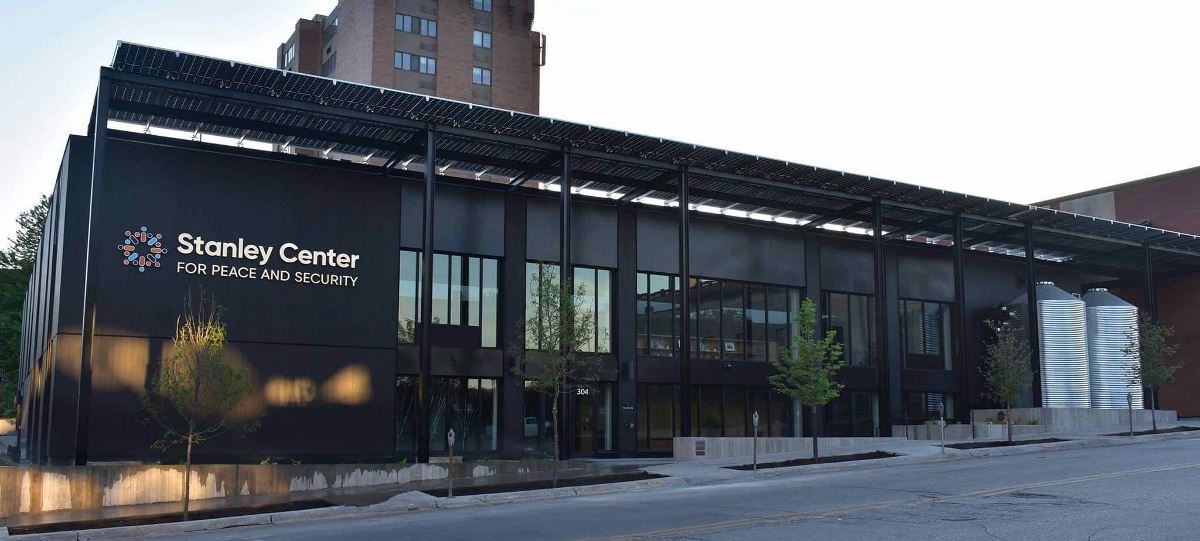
[[476, 51], [1168, 201]]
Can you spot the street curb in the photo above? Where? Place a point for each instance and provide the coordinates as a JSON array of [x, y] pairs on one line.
[[384, 508]]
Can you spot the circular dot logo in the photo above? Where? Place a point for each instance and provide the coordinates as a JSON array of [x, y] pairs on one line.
[[142, 249]]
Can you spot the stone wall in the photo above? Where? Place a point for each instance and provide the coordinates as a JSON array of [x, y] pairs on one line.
[[689, 449], [1083, 419], [45, 489]]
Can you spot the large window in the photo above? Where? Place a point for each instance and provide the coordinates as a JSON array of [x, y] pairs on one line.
[[658, 416], [728, 411], [657, 318], [466, 295], [852, 317], [468, 405], [923, 406], [738, 321], [592, 292], [403, 61], [482, 5], [538, 423], [925, 329]]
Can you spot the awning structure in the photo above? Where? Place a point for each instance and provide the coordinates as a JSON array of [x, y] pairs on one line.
[[500, 149]]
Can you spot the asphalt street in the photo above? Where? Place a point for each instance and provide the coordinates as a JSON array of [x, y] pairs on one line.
[[1143, 491]]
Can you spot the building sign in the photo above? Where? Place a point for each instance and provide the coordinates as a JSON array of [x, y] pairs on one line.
[[250, 261], [142, 249]]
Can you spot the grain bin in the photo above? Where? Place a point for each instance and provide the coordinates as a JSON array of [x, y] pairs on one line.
[[1112, 326], [1062, 338]]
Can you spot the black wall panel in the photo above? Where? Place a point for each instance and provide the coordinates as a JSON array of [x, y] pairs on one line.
[[593, 232], [468, 221], [847, 266], [925, 273], [737, 251], [224, 198], [658, 242]]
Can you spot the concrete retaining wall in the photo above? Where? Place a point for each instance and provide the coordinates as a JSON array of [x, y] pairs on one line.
[[44, 489], [1083, 419], [688, 449], [963, 432]]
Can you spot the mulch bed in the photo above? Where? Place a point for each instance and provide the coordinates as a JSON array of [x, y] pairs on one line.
[[1159, 431], [472, 490], [873, 455], [163, 518], [986, 444]]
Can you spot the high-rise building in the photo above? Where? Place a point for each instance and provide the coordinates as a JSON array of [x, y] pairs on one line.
[[477, 51]]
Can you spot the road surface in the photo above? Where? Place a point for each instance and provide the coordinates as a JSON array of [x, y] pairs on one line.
[[1143, 491]]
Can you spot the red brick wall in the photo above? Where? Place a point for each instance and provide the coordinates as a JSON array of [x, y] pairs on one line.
[[1168, 204]]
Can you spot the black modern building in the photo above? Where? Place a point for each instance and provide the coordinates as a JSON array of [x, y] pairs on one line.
[[315, 249]]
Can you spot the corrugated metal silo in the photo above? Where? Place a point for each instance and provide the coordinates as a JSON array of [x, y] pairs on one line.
[[1112, 326], [1062, 339]]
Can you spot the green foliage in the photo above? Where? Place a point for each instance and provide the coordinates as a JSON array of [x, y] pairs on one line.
[[558, 327], [15, 265], [23, 247], [1007, 369], [195, 391], [807, 367], [1152, 344]]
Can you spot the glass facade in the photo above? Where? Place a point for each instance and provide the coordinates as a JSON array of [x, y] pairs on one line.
[[852, 317], [466, 295], [593, 291], [925, 332], [658, 416], [727, 411], [537, 430], [468, 405], [924, 406], [732, 321]]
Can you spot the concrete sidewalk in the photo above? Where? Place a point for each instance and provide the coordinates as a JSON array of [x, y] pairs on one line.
[[694, 473]]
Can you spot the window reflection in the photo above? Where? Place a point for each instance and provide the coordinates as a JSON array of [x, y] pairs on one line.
[[926, 334], [852, 317], [592, 291], [466, 294]]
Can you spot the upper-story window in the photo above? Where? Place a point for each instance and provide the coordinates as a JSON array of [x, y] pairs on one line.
[[592, 292], [289, 55], [404, 23], [403, 61], [657, 318], [466, 295], [482, 5], [481, 76], [925, 329], [739, 321], [852, 317], [428, 28], [428, 65], [482, 39]]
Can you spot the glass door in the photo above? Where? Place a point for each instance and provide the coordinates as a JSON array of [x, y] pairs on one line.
[[593, 419]]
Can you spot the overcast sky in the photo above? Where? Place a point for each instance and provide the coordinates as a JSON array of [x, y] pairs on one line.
[[1014, 100]]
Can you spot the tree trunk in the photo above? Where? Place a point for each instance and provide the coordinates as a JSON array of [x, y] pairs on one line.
[[554, 415], [1008, 419], [816, 454], [1153, 407], [187, 476]]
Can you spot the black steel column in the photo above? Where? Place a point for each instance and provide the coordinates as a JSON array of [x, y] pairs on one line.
[[1151, 294], [426, 361], [99, 164], [1035, 347], [881, 312], [965, 368], [566, 275], [685, 324]]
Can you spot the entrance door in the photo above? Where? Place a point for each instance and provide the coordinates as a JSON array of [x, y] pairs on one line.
[[593, 419], [864, 414]]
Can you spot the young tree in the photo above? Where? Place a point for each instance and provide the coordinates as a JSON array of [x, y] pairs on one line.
[[807, 367], [1157, 364], [1008, 370], [193, 394], [558, 327]]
